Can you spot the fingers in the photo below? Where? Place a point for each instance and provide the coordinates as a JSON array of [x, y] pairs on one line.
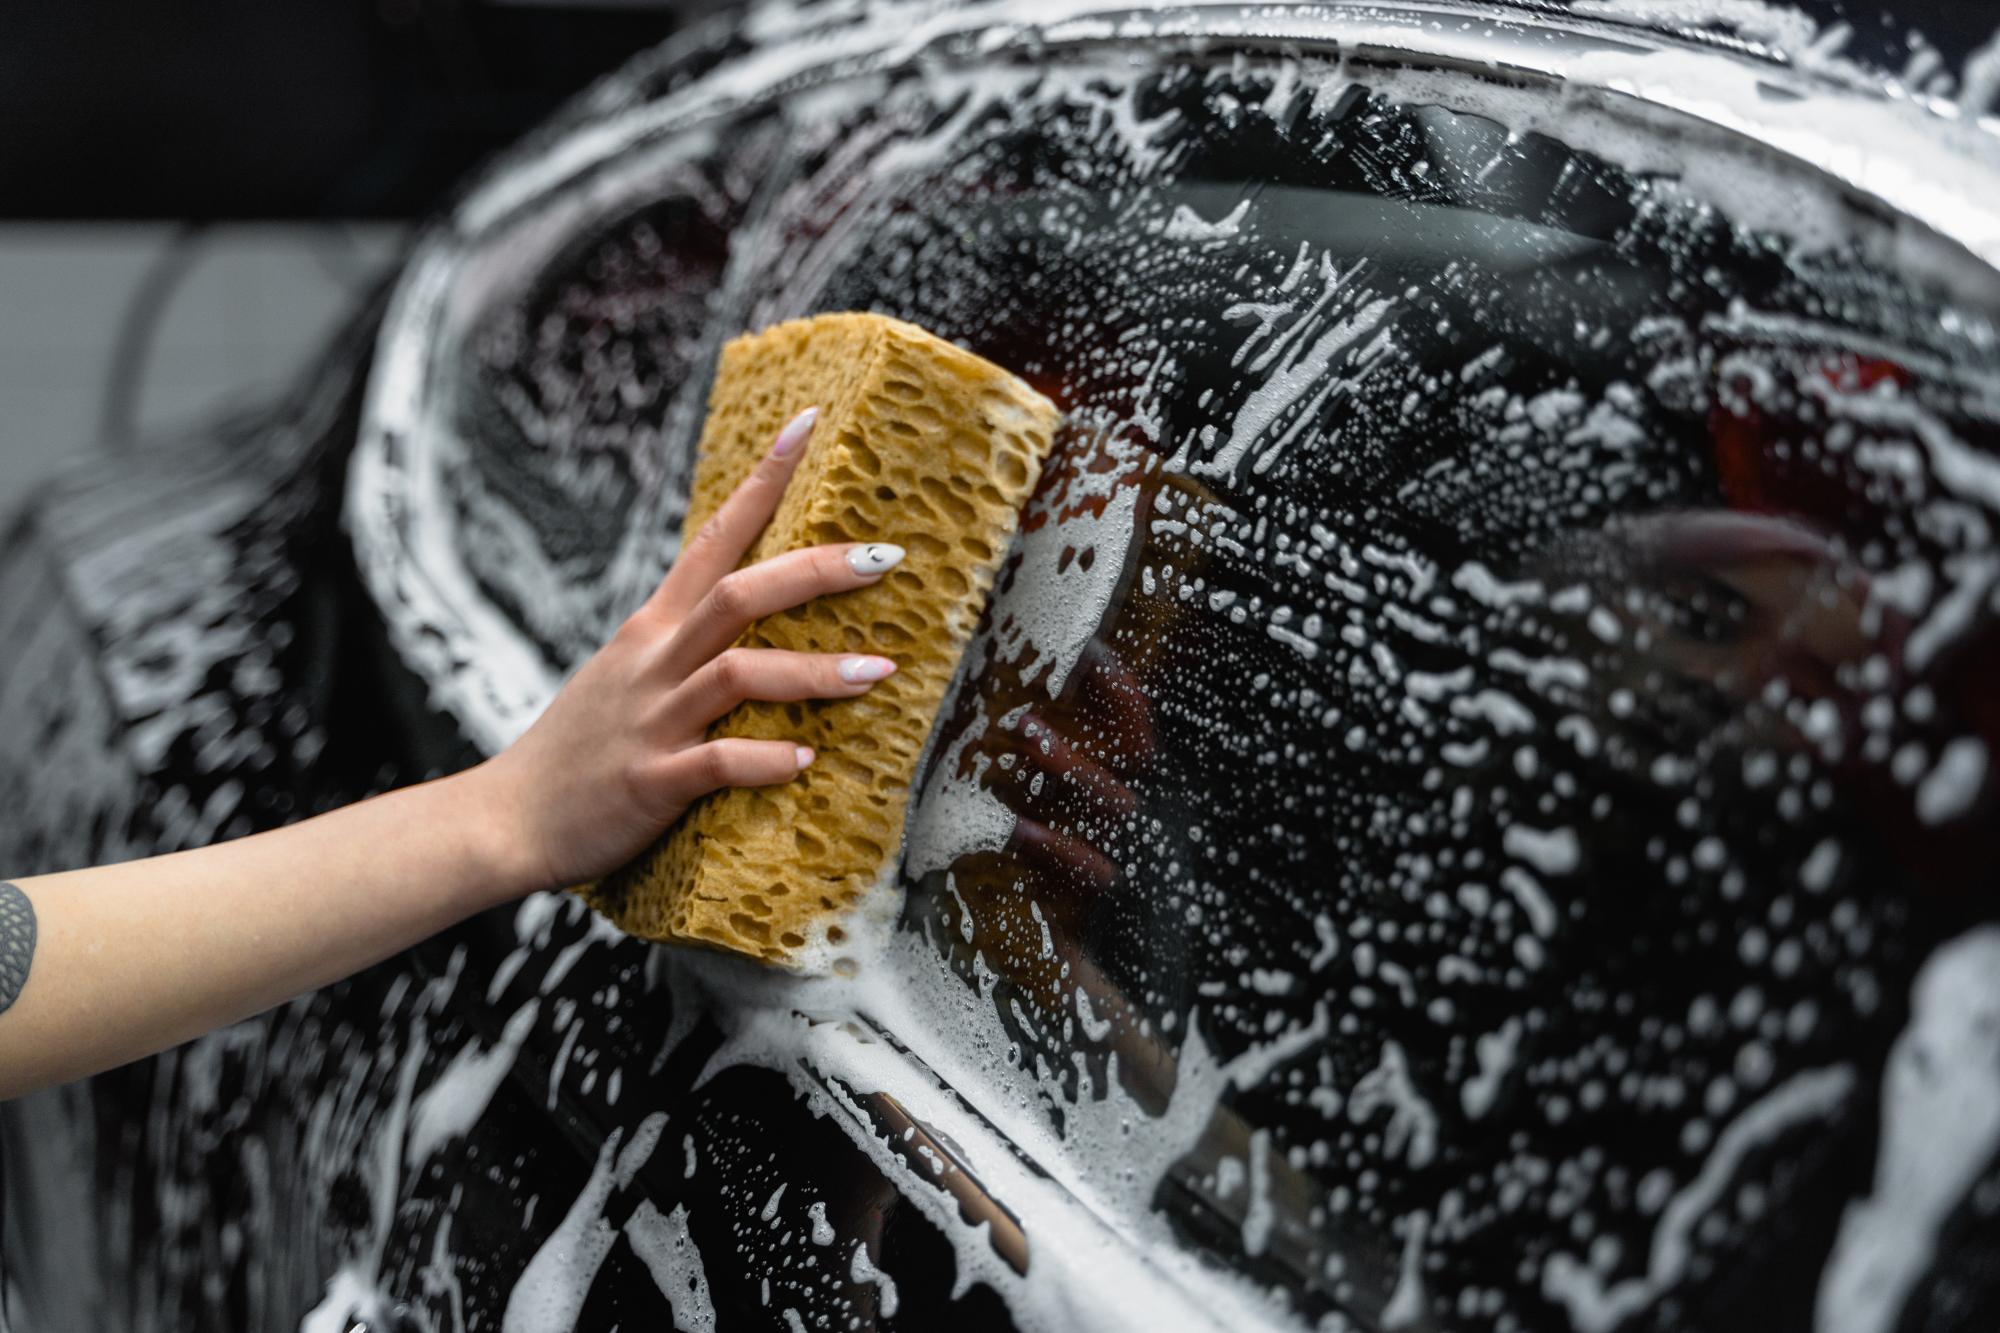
[[1077, 862], [1047, 750], [768, 587], [1118, 699], [720, 544], [774, 676], [684, 777]]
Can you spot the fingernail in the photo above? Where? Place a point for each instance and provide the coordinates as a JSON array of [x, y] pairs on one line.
[[802, 753], [794, 434], [874, 558], [856, 670]]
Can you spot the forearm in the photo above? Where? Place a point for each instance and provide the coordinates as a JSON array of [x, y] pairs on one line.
[[130, 959]]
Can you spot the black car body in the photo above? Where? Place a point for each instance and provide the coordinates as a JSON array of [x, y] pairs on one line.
[[1471, 806]]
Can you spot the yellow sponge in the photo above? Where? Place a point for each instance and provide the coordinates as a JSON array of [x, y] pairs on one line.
[[919, 443]]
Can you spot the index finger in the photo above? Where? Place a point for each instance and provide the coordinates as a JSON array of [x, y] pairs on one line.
[[720, 544]]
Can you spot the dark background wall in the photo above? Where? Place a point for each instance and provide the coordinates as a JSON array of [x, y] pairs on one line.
[[214, 109]]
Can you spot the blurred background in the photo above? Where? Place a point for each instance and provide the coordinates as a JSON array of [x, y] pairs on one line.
[[195, 195]]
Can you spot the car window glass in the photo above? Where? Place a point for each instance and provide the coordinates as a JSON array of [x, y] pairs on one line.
[[1484, 725], [581, 336]]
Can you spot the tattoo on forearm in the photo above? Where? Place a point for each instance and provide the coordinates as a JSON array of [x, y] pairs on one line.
[[17, 942]]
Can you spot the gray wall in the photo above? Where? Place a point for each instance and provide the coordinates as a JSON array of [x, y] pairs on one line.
[[245, 308]]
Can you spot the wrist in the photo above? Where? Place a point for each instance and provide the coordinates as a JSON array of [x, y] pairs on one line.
[[499, 857]]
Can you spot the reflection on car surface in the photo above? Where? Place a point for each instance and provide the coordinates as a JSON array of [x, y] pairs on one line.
[[1470, 808]]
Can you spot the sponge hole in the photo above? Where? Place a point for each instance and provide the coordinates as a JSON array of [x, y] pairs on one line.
[[864, 458], [941, 496]]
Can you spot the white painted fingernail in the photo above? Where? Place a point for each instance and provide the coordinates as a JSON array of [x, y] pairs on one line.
[[802, 753], [874, 558], [856, 670], [794, 434]]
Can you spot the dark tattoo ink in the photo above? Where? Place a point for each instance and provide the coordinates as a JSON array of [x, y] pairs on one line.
[[17, 942]]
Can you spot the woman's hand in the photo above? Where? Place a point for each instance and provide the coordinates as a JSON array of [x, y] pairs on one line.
[[623, 749]]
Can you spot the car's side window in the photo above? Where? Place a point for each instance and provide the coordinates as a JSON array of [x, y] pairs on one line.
[[583, 337], [1487, 704]]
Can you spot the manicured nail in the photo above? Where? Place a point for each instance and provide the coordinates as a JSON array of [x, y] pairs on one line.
[[857, 670], [874, 558], [802, 753], [794, 434]]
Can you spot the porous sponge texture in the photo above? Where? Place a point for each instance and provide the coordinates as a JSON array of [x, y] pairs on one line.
[[919, 443]]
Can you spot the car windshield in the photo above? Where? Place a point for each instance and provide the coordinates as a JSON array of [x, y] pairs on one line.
[[1482, 743]]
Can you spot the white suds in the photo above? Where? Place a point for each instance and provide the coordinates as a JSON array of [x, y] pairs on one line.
[[667, 1249], [551, 1291], [1950, 788], [1188, 225], [1940, 1128], [455, 1101], [1598, 1306], [863, 1269]]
